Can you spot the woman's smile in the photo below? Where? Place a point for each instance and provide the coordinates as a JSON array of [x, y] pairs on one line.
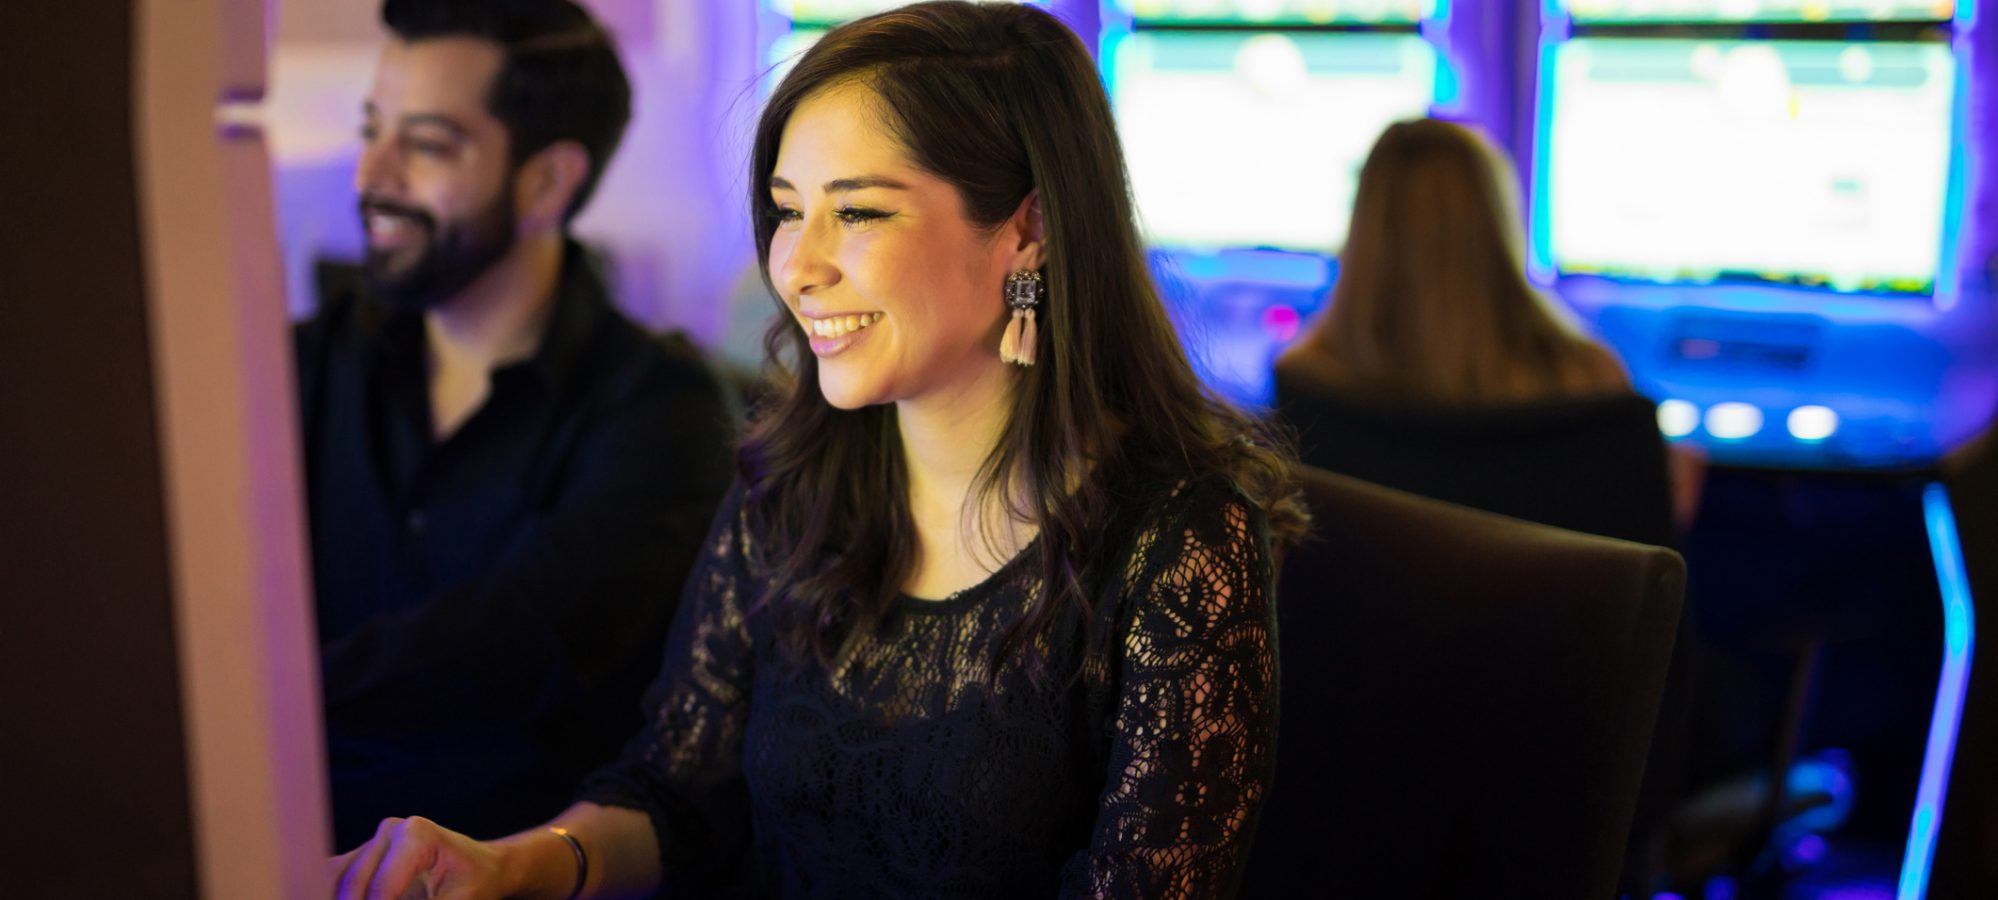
[[832, 333]]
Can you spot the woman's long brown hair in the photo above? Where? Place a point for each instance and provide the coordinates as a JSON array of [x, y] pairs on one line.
[[1000, 100], [1432, 301]]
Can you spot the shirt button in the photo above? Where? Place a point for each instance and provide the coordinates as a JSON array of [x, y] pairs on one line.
[[414, 521]]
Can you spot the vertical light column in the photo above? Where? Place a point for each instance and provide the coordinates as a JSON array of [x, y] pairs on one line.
[[1479, 39], [1959, 625], [1084, 17]]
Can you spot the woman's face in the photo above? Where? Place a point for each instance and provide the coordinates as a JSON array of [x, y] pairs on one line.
[[898, 292]]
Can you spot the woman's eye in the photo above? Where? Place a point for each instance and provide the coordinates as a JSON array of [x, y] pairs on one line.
[[854, 215], [784, 215]]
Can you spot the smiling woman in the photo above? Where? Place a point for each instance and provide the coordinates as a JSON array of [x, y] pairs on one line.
[[964, 627], [872, 234]]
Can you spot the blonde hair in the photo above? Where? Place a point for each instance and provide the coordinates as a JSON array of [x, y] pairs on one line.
[[1432, 301]]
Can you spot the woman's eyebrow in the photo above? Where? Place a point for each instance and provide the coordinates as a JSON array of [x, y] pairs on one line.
[[863, 182], [843, 185]]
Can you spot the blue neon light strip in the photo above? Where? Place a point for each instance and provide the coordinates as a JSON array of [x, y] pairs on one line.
[[1449, 91], [1555, 28], [1540, 244], [1958, 627], [1966, 151], [1269, 268], [1948, 271]]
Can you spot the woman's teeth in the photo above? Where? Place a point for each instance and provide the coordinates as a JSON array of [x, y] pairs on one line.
[[835, 326]]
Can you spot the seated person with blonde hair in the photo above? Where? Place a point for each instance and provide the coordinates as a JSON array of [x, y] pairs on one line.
[[1433, 308]]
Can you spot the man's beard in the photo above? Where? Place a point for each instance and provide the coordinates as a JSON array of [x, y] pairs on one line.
[[453, 256]]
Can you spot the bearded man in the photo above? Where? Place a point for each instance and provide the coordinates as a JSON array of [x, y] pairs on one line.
[[507, 480]]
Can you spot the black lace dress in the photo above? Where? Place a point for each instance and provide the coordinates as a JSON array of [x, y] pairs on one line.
[[904, 773]]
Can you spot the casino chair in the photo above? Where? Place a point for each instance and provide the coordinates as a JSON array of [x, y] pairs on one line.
[[1468, 702], [1591, 464]]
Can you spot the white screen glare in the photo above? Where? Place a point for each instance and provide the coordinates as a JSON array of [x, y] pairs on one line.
[[1693, 11], [1733, 421], [1274, 12], [1256, 140], [1812, 423], [1678, 418], [783, 55], [1810, 163]]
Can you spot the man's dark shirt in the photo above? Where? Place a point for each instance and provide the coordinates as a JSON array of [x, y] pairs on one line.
[[491, 606]]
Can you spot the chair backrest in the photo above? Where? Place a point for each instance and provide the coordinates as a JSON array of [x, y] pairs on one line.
[[1594, 464], [1467, 701]]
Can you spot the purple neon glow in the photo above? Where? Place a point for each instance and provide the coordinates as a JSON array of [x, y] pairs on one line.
[[1868, 892], [1282, 323], [1809, 849]]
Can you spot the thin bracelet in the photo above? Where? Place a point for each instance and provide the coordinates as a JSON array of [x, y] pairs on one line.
[[582, 860]]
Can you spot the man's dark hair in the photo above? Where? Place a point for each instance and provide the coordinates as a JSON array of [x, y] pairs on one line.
[[561, 79]]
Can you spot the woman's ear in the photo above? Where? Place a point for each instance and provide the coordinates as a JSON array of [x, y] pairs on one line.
[[547, 183], [1026, 233]]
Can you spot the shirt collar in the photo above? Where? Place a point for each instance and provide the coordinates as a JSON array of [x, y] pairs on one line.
[[581, 302]]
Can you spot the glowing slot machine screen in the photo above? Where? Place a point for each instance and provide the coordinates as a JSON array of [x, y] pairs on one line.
[[1256, 139], [1816, 164], [1278, 12], [1591, 12], [783, 54], [832, 12]]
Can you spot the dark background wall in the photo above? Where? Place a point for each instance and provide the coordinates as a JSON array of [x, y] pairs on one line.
[[93, 793]]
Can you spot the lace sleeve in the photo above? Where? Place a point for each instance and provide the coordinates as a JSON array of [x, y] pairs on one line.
[[684, 769], [1193, 747]]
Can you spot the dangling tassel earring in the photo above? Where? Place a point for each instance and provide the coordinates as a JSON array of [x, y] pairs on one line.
[[1023, 293]]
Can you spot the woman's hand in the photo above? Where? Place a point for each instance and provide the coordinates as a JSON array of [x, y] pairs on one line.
[[416, 858]]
